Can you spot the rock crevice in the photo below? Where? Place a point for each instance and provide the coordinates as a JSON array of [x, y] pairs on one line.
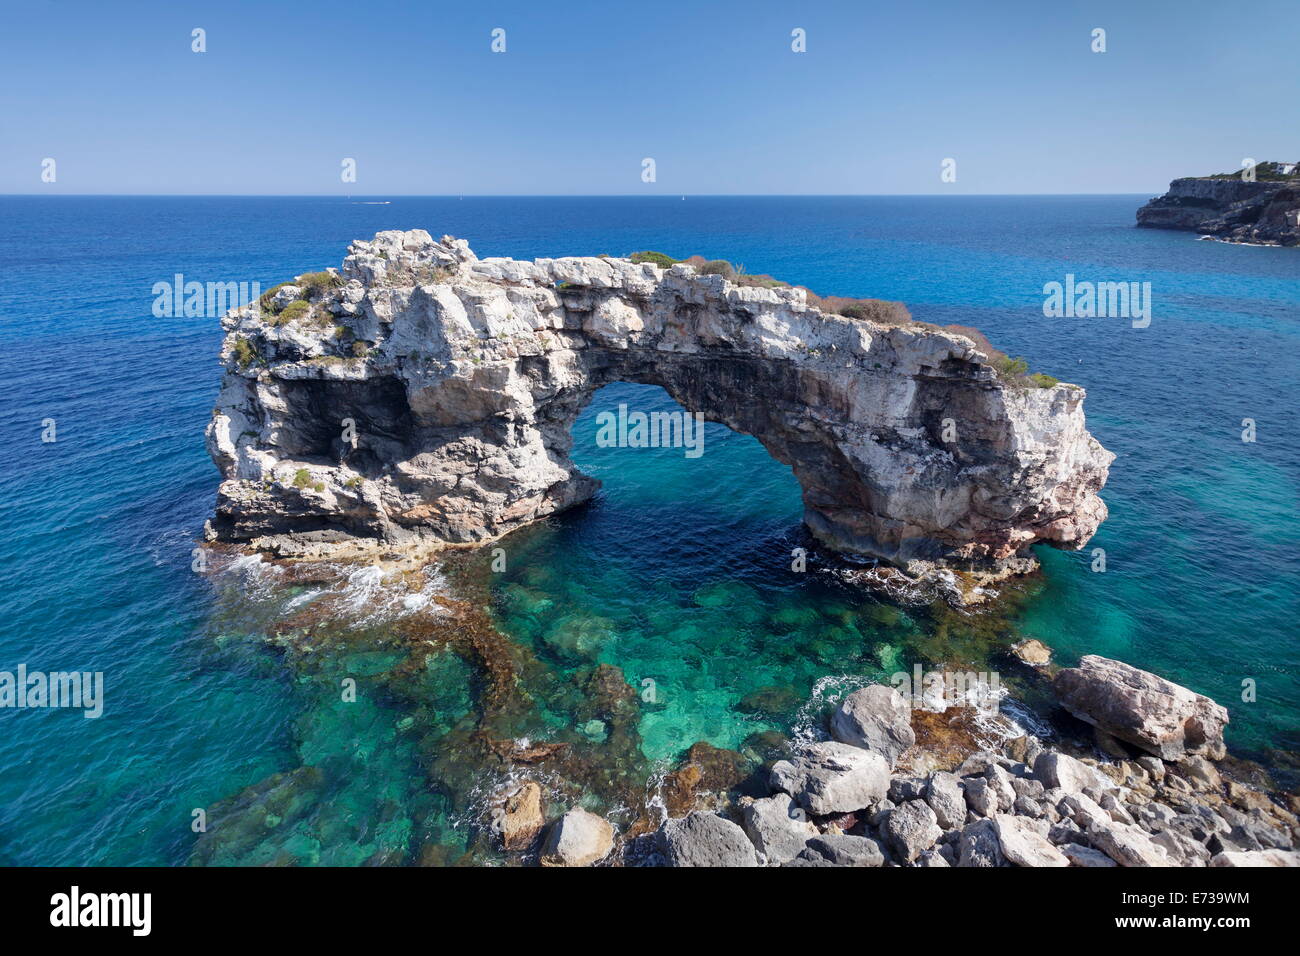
[[426, 396]]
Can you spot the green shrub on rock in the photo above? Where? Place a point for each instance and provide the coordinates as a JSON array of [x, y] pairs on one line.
[[294, 310], [658, 258], [314, 284], [244, 353]]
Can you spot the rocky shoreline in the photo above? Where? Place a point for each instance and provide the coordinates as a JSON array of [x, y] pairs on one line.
[[1263, 212], [864, 798]]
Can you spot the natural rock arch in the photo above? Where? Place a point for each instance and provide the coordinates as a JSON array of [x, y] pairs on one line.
[[905, 443]]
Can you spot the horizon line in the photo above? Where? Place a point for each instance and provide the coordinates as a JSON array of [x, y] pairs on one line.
[[46, 195]]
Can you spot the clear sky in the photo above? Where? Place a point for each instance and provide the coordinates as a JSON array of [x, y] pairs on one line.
[[585, 91]]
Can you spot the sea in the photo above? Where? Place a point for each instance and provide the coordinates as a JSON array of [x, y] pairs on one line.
[[254, 716]]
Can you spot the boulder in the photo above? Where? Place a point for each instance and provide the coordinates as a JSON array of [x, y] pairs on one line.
[[521, 817], [932, 859], [876, 718], [1032, 651], [1182, 850], [778, 828], [1080, 855], [1234, 858], [1200, 773], [1083, 810], [578, 838], [981, 798], [902, 789], [1023, 846], [979, 846], [1000, 783], [705, 839], [1147, 711], [840, 850], [944, 795], [1127, 845], [911, 829], [831, 777], [1061, 771]]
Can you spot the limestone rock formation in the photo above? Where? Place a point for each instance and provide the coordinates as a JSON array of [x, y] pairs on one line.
[[1265, 211], [421, 395], [1159, 716]]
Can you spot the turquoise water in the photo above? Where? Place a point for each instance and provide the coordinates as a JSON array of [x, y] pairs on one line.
[[678, 573]]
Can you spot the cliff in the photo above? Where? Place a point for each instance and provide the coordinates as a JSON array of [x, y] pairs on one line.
[[424, 396], [1266, 211]]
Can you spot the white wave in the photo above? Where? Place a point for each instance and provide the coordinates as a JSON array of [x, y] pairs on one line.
[[829, 690]]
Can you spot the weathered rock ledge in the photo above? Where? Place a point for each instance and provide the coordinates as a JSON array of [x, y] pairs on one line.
[[424, 396], [1265, 211]]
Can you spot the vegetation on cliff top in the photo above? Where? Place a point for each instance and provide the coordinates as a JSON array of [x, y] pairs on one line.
[[1266, 172], [1010, 371], [311, 288]]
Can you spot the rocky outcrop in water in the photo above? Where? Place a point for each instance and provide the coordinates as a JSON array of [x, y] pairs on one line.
[[1265, 211], [1142, 709], [424, 396]]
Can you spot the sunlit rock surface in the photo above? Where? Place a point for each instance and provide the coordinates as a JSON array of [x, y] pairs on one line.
[[425, 396]]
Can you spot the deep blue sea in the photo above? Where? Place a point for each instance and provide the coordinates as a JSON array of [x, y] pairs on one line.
[[677, 570]]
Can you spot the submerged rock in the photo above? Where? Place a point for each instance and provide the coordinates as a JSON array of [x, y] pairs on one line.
[[1145, 710], [770, 701], [705, 770], [1032, 651], [462, 378]]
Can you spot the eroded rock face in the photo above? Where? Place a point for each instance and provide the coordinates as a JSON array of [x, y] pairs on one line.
[[1265, 211], [471, 372]]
